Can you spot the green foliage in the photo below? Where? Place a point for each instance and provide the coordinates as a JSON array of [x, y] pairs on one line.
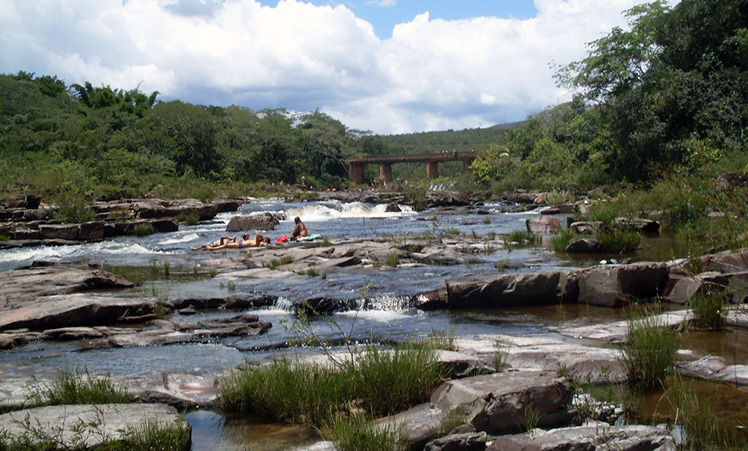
[[74, 386], [360, 433], [561, 239], [393, 259], [650, 348], [709, 309], [522, 237], [188, 217], [702, 427], [380, 382], [143, 229], [618, 241]]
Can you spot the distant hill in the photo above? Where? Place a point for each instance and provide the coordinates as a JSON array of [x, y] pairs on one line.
[[459, 140]]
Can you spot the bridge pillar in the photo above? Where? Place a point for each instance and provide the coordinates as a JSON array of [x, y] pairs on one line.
[[356, 174], [432, 170], [385, 172]]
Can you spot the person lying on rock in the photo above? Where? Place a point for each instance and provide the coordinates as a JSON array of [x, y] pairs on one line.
[[220, 242], [299, 231], [241, 244]]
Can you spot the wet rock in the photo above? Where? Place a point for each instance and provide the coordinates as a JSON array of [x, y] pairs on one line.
[[393, 207], [681, 288], [583, 246], [714, 368], [229, 302], [437, 199], [499, 402], [325, 306], [589, 438], [10, 341], [89, 425], [618, 285], [547, 225], [74, 310], [72, 333], [181, 390], [92, 231]]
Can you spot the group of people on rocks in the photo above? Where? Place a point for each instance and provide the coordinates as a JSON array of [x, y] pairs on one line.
[[300, 231]]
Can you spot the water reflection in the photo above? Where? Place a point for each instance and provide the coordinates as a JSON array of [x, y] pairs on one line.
[[215, 432]]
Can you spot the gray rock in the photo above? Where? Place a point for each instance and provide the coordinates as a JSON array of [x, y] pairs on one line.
[[265, 221], [547, 225], [87, 425], [75, 310], [617, 285], [583, 246], [499, 402], [68, 232], [520, 289], [588, 438], [180, 390], [469, 441]]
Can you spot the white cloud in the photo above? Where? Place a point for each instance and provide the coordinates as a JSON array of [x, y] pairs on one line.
[[432, 74]]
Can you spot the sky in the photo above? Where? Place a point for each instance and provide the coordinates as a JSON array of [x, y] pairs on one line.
[[385, 66]]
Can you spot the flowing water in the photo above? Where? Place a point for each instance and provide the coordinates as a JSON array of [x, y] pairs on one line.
[[167, 269]]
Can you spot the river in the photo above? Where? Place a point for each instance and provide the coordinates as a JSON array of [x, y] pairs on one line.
[[166, 269]]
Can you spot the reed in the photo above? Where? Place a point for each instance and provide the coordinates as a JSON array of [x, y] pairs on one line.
[[649, 350], [708, 309], [377, 381], [74, 386], [359, 433]]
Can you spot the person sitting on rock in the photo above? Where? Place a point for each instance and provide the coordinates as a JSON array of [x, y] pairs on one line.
[[299, 231], [220, 242]]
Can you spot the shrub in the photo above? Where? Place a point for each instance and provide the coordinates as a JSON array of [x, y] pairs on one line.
[[188, 217], [393, 259], [522, 237], [563, 238], [649, 350]]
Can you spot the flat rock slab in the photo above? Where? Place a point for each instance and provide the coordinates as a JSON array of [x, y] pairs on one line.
[[96, 424], [180, 390], [74, 310], [588, 438], [23, 286]]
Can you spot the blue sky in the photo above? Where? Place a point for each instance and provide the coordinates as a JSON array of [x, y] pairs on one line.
[[385, 14], [387, 66]]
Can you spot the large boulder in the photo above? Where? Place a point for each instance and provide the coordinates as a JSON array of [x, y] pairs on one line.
[[504, 290], [265, 221], [501, 402], [69, 232], [618, 285]]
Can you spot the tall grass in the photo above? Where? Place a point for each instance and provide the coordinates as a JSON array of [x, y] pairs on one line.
[[522, 237], [359, 433], [649, 350], [376, 381], [74, 386], [700, 426], [708, 308], [561, 239], [618, 241]]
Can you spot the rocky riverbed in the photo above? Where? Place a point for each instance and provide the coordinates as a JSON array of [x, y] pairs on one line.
[[83, 302]]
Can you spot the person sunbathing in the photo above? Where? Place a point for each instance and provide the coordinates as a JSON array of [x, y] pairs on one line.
[[259, 240], [220, 242]]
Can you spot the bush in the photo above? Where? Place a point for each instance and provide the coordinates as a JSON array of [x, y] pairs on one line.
[[618, 241], [563, 238]]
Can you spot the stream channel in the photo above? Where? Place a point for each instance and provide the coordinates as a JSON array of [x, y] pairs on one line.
[[167, 269]]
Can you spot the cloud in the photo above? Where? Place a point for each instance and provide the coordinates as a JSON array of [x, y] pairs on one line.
[[432, 74]]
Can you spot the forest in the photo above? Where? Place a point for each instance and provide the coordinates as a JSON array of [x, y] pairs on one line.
[[660, 110]]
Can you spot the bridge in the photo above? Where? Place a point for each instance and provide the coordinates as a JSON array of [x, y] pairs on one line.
[[385, 162]]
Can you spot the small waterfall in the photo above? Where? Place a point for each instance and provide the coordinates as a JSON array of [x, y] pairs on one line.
[[284, 304], [386, 303]]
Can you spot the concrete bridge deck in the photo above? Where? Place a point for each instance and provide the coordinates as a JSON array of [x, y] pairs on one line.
[[385, 162]]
